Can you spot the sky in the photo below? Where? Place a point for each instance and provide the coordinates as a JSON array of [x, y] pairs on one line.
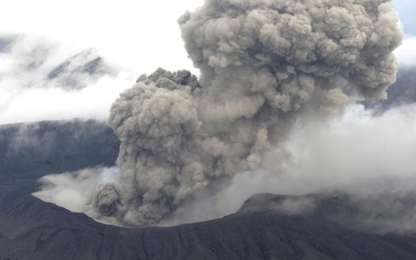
[[132, 37]]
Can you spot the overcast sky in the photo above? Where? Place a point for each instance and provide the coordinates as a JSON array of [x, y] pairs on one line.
[[132, 36]]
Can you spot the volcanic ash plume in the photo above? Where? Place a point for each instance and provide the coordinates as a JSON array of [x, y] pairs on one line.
[[262, 63]]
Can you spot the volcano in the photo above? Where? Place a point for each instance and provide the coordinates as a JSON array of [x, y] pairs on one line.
[[34, 229]]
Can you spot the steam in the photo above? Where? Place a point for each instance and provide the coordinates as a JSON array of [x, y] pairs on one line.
[[74, 190], [262, 63]]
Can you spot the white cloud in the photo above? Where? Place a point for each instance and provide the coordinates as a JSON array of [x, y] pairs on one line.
[[406, 52], [37, 104], [28, 94], [138, 35], [133, 37]]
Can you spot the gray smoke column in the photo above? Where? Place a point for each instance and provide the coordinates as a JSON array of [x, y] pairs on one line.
[[262, 62]]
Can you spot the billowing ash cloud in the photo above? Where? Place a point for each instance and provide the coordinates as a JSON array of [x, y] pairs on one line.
[[262, 63]]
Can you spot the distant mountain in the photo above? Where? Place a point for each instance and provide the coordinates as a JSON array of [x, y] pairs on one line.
[[79, 70], [321, 226], [35, 63]]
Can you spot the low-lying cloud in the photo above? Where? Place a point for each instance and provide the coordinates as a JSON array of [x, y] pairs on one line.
[[406, 52], [40, 81]]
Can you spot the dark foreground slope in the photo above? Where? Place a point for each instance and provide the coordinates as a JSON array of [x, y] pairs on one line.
[[33, 229]]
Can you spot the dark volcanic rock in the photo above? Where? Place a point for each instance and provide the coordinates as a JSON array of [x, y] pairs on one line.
[[33, 229]]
